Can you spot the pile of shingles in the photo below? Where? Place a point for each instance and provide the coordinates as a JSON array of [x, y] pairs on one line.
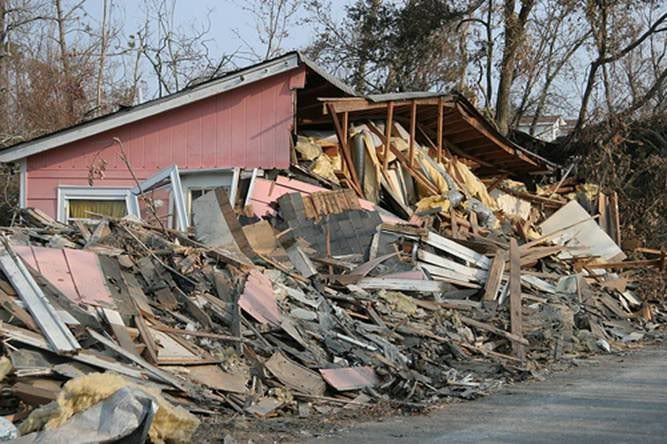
[[324, 302]]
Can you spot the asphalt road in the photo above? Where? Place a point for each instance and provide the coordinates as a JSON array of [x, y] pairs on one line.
[[617, 400]]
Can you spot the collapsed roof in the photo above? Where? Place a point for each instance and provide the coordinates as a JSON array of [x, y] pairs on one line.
[[465, 131]]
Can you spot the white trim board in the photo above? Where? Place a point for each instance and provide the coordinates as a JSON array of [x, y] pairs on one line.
[[23, 183]]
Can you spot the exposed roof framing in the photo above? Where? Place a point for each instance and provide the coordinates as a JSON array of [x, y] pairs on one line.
[[466, 131]]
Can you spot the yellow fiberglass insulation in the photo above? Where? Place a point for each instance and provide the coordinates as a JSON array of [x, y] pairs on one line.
[[431, 202], [472, 184], [324, 167], [432, 173], [171, 423]]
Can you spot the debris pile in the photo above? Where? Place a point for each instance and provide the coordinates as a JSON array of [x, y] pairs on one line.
[[310, 299]]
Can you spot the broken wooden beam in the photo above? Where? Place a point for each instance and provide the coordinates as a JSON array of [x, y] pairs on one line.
[[516, 320]]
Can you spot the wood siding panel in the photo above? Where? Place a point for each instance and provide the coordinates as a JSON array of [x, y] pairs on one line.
[[247, 127]]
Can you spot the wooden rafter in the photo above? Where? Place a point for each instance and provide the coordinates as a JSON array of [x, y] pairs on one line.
[[347, 156], [389, 122], [413, 126]]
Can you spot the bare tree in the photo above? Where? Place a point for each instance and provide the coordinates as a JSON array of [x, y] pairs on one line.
[[177, 56], [598, 14], [487, 23], [273, 21], [515, 29], [104, 38]]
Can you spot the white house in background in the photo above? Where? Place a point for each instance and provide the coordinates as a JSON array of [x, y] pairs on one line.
[[548, 128]]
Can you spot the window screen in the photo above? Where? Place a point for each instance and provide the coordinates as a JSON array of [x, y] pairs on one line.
[[94, 209]]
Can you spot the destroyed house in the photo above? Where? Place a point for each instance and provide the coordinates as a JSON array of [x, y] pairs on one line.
[[225, 132], [243, 119]]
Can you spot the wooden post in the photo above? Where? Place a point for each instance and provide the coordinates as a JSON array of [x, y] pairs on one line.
[[346, 122], [347, 156], [413, 127], [515, 299], [387, 135], [440, 128]]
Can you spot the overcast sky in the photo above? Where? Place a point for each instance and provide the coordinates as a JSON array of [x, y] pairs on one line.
[[225, 16]]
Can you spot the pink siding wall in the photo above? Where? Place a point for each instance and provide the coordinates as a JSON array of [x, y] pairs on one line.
[[246, 127]]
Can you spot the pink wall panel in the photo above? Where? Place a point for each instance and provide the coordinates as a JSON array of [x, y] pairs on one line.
[[246, 127]]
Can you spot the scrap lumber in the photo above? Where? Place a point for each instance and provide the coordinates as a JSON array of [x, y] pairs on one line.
[[458, 250], [464, 272], [381, 283], [294, 375], [300, 260], [533, 198], [495, 330], [9, 304], [515, 300], [32, 339], [495, 277], [153, 371], [345, 148]]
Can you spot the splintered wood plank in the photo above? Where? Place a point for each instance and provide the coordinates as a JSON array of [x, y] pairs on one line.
[[387, 135], [145, 336], [402, 284], [458, 250], [515, 299], [8, 303], [295, 376], [467, 273], [495, 276]]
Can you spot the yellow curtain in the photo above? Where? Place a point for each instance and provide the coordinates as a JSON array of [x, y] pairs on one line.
[[91, 209]]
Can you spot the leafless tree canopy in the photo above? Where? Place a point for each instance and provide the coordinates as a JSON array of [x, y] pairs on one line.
[[591, 60]]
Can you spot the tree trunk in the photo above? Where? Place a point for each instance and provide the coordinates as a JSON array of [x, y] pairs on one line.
[[64, 57], [4, 78], [103, 52], [489, 56], [515, 27]]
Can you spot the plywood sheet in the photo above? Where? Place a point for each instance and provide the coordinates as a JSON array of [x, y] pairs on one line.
[[258, 299], [75, 273], [587, 237], [349, 378]]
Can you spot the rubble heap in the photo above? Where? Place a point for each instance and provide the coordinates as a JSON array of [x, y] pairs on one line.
[[311, 299]]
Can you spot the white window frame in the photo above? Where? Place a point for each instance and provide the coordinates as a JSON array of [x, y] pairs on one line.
[[23, 183], [73, 192], [171, 175]]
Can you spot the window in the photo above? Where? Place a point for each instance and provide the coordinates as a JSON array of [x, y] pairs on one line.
[[94, 209], [90, 203]]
